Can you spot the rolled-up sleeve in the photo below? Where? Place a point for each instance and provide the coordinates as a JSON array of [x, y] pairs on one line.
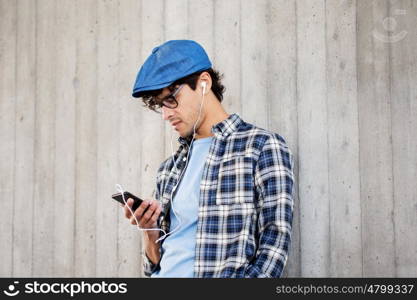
[[148, 266]]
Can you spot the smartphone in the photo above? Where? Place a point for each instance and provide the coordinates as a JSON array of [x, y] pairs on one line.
[[136, 200]]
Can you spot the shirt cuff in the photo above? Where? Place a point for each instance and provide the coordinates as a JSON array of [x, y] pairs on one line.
[[148, 266]]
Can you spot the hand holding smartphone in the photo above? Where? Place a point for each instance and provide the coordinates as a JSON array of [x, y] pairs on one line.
[[136, 200], [136, 203]]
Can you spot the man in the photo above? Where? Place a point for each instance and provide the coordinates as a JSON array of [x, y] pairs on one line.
[[226, 192]]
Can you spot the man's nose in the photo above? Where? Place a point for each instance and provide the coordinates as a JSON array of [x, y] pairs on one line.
[[166, 113]]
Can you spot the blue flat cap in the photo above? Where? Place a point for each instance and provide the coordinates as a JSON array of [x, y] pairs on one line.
[[169, 62]]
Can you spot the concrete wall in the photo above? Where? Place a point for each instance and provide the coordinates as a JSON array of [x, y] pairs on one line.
[[336, 78]]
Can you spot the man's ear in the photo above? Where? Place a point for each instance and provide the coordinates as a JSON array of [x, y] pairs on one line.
[[206, 79]]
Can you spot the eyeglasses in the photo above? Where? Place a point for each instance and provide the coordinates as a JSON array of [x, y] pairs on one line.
[[168, 101]]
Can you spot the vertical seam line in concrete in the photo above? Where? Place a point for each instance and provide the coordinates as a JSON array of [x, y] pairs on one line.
[[16, 24], [120, 111], [54, 138], [329, 264], [373, 57], [358, 130], [213, 32], [188, 18], [392, 144], [76, 130], [240, 58], [268, 59], [34, 134], [96, 127], [327, 138], [298, 135], [96, 121]]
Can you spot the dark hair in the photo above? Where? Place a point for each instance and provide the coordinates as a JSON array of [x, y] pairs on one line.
[[191, 80]]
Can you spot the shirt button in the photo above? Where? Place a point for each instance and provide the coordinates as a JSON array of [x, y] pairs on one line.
[[184, 159]]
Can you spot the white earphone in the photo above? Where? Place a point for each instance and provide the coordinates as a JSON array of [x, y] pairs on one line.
[[203, 85]]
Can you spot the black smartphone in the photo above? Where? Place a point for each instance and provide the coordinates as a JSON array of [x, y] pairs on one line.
[[136, 200]]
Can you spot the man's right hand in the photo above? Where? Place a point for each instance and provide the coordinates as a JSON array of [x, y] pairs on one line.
[[147, 213]]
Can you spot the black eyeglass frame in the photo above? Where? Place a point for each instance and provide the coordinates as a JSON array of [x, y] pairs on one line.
[[169, 101]]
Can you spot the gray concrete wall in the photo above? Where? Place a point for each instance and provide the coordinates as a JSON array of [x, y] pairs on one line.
[[336, 78]]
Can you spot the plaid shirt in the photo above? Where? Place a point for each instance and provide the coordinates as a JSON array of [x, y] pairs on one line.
[[246, 202]]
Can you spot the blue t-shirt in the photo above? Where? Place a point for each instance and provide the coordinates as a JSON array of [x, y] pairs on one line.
[[178, 249]]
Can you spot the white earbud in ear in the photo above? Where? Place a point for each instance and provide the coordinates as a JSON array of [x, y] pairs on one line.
[[203, 85]]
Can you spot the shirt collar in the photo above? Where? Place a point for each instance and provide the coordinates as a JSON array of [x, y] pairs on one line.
[[220, 130]]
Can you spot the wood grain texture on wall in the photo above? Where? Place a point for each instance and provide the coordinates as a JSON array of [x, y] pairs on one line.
[[337, 79]]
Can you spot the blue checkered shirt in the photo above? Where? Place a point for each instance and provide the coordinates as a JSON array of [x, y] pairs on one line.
[[246, 202]]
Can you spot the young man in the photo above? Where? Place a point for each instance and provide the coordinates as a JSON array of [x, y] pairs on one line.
[[227, 192]]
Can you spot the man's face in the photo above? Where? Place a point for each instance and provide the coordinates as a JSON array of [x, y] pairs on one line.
[[183, 117]]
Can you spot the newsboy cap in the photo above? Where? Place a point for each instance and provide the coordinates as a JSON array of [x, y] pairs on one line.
[[169, 62]]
